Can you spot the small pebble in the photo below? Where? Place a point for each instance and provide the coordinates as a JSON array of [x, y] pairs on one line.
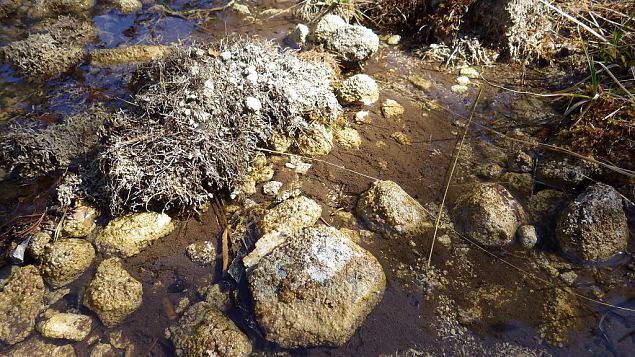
[[393, 40], [459, 89], [469, 72], [272, 188], [527, 236], [463, 80]]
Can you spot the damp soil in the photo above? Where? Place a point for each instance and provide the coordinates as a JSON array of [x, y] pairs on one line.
[[510, 301]]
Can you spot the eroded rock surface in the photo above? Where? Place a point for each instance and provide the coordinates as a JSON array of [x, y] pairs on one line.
[[20, 303], [112, 293], [316, 141], [488, 214], [315, 289], [388, 209], [205, 331], [48, 8], [65, 260], [81, 221], [129, 235], [594, 226]]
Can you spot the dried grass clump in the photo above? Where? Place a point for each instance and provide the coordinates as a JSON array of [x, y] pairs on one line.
[[201, 114], [31, 149], [313, 10]]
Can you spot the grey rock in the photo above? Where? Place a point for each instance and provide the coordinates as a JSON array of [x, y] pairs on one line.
[[316, 289], [297, 37], [564, 172], [488, 214], [594, 227], [204, 331]]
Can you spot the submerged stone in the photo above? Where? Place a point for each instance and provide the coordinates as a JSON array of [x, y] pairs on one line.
[[594, 226], [66, 260], [205, 331], [20, 302], [66, 326], [128, 54]]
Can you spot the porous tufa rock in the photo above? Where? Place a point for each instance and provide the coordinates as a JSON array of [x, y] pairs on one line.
[[316, 141], [203, 253], [127, 6], [66, 326], [358, 89], [388, 209], [272, 188], [41, 9], [351, 43], [316, 289], [20, 302], [205, 331], [105, 57], [594, 226], [66, 260], [489, 215], [129, 235], [41, 56], [390, 108], [348, 138], [527, 236], [112, 293]]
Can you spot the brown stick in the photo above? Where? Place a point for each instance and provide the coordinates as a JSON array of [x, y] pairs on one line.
[[225, 247]]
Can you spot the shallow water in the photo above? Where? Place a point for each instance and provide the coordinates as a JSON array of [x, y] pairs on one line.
[[511, 300]]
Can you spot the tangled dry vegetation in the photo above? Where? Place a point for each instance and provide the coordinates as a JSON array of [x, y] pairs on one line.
[[195, 123]]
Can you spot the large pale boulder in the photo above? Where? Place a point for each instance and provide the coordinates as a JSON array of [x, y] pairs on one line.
[[129, 235], [112, 293], [204, 331], [66, 260], [388, 209], [489, 215], [594, 226], [315, 289], [66, 326], [20, 302]]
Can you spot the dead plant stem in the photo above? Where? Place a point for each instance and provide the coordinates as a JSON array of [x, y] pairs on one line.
[[457, 155]]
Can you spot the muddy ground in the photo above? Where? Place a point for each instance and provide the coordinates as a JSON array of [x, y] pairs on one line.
[[511, 301]]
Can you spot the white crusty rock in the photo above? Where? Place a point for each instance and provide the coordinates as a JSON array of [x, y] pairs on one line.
[[129, 235], [20, 302], [316, 289], [351, 43], [488, 214], [112, 293], [279, 222], [358, 89], [272, 188], [388, 209], [66, 326], [205, 331], [594, 226], [203, 253], [127, 6], [66, 260]]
